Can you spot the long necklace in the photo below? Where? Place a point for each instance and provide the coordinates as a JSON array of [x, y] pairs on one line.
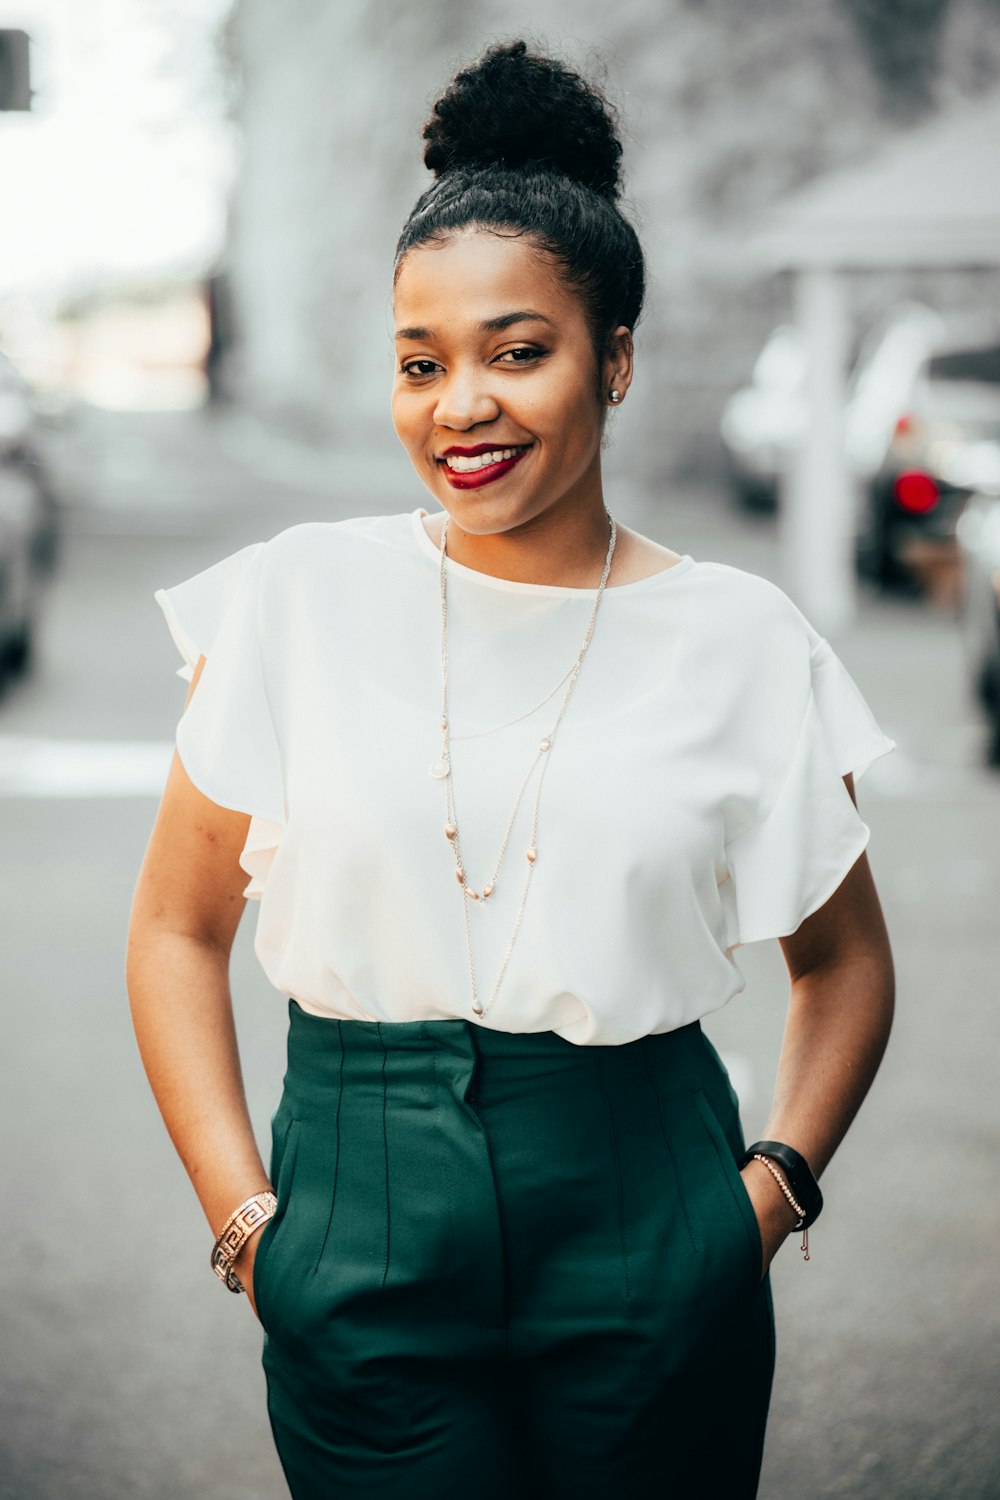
[[441, 770], [479, 734]]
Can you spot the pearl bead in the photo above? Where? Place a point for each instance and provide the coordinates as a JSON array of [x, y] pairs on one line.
[[545, 745], [487, 891], [450, 831], [477, 1007], [532, 854]]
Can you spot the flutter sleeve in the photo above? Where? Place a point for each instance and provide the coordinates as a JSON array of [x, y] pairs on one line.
[[226, 736], [785, 866]]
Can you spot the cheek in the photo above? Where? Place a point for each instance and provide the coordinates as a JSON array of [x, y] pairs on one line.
[[571, 404], [406, 417], [580, 421]]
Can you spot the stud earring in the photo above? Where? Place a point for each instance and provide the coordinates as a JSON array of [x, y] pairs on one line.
[[615, 397]]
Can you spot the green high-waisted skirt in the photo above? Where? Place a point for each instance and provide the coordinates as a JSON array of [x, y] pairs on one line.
[[505, 1266]]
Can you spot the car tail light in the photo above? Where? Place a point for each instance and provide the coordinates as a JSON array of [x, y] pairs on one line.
[[915, 492], [904, 425]]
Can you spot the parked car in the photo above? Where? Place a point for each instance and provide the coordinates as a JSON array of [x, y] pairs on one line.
[[20, 594], [29, 522], [943, 445], [922, 413], [21, 449], [762, 422], [978, 536]]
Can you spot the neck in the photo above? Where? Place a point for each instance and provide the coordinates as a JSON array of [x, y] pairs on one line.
[[568, 552]]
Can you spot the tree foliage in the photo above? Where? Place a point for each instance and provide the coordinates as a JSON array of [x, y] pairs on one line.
[[902, 40]]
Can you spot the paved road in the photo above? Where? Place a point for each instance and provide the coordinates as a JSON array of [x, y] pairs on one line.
[[127, 1373]]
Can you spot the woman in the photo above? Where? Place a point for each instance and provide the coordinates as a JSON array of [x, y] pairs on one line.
[[513, 1241]]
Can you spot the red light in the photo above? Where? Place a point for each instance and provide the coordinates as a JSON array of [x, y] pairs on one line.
[[905, 425], [916, 492]]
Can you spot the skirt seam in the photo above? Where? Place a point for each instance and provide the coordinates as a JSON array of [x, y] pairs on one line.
[[623, 1237]]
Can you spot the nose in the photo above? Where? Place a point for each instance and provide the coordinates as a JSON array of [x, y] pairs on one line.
[[464, 400]]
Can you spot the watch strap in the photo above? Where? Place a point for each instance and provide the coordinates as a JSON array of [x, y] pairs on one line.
[[798, 1172]]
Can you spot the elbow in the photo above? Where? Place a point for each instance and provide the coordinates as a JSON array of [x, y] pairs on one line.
[[157, 947]]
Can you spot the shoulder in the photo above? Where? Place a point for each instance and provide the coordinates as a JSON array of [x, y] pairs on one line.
[[750, 657], [350, 541], [336, 560], [750, 612]]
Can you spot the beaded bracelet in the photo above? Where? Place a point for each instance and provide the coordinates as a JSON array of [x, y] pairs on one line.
[[237, 1229], [795, 1207]]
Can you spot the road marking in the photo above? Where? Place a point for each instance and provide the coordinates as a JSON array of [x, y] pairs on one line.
[[82, 768]]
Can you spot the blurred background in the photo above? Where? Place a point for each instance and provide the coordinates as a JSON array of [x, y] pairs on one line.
[[199, 202]]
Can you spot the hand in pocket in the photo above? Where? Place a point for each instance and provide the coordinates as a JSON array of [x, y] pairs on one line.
[[775, 1218]]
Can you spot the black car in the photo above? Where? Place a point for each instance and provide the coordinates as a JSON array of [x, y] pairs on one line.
[[979, 605]]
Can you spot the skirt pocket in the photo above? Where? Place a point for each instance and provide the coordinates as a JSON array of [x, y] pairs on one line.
[[284, 1151], [729, 1174]]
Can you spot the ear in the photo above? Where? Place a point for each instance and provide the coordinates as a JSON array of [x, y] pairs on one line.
[[617, 365]]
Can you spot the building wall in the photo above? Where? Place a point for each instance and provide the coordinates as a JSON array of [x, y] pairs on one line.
[[727, 107]]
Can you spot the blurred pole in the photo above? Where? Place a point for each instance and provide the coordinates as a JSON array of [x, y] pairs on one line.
[[816, 510]]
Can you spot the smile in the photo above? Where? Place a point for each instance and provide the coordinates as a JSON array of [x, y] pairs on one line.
[[465, 471], [462, 465]]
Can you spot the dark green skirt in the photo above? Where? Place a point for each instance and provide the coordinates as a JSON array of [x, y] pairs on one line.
[[508, 1266]]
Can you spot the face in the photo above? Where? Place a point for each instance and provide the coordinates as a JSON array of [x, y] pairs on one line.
[[498, 397]]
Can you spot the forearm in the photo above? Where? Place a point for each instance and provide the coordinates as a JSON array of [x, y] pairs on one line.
[[839, 1019], [182, 1013]]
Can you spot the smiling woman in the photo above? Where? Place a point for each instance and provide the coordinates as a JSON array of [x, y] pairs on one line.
[[509, 1228], [518, 284], [495, 346]]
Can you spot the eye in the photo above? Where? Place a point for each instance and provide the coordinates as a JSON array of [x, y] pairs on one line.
[[522, 355], [415, 369]]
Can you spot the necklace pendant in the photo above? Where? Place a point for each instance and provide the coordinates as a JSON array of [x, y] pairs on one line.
[[532, 854], [477, 1008], [440, 769], [450, 831], [487, 891]]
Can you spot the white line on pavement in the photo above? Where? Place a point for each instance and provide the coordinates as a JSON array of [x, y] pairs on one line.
[[82, 768]]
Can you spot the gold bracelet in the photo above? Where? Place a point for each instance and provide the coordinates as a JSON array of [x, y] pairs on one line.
[[795, 1207], [237, 1229]]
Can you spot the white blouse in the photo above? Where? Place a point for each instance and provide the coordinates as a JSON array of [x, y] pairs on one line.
[[693, 802]]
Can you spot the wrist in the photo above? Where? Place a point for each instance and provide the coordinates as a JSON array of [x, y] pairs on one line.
[[795, 1167], [769, 1201], [248, 1249], [242, 1224], [793, 1176]]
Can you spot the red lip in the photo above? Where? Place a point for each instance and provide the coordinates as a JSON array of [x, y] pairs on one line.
[[479, 448], [479, 477]]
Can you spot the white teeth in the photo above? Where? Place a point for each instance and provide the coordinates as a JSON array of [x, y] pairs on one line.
[[481, 460]]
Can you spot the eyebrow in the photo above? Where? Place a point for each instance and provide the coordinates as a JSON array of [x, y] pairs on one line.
[[491, 325]]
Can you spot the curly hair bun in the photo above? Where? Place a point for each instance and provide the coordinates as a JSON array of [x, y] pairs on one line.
[[516, 109]]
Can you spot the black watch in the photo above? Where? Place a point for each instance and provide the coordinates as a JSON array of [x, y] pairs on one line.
[[805, 1188]]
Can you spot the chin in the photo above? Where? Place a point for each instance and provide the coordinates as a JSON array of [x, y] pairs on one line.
[[480, 515]]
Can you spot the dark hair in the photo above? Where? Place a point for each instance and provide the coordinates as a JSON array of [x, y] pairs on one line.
[[519, 142]]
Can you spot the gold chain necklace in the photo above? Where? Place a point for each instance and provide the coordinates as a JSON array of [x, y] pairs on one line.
[[441, 770]]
